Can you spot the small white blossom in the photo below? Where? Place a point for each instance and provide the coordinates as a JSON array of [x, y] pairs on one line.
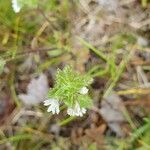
[[84, 90], [54, 106], [76, 111], [15, 5]]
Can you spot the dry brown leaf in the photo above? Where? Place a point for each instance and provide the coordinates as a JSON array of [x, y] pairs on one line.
[[111, 111], [37, 91]]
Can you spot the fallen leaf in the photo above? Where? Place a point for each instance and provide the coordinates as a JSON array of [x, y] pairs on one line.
[[109, 5], [111, 111], [36, 91]]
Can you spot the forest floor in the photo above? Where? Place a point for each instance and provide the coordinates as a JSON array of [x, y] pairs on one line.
[[110, 41]]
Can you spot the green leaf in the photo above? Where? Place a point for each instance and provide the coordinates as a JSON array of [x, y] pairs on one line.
[[85, 101], [2, 64], [67, 87]]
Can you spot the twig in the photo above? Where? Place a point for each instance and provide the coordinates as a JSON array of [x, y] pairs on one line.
[[36, 50], [20, 54]]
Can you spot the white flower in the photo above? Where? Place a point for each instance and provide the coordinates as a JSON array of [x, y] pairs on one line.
[[15, 5], [54, 105], [76, 111], [84, 90]]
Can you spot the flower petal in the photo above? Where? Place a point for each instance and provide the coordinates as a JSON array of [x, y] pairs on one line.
[[47, 102], [84, 90], [16, 6], [53, 105], [76, 111]]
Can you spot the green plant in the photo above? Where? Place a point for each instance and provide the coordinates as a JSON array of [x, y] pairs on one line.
[[2, 64], [71, 89], [141, 136]]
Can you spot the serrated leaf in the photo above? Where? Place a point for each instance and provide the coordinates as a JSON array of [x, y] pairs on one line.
[[67, 87], [85, 101]]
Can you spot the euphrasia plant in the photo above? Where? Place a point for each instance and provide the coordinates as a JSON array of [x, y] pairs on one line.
[[70, 88]]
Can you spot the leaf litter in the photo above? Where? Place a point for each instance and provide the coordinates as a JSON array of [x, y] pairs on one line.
[[37, 91], [97, 23]]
